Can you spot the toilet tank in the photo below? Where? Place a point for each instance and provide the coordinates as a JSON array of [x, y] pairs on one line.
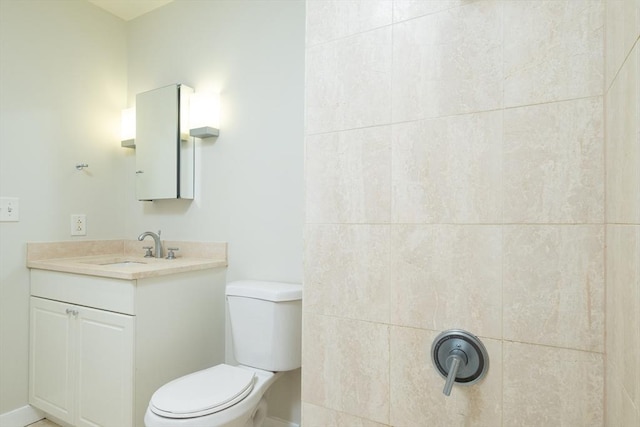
[[266, 324]]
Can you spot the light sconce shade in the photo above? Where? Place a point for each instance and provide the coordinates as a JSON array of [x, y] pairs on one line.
[[204, 115], [128, 128]]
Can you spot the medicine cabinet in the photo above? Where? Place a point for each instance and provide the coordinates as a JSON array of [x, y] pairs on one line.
[[165, 154]]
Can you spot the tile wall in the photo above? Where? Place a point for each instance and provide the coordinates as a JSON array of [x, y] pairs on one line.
[[622, 114], [455, 178]]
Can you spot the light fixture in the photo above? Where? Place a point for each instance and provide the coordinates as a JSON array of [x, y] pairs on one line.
[[204, 115], [128, 128]]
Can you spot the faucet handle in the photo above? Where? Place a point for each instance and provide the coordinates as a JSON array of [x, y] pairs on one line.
[[148, 254], [171, 255]]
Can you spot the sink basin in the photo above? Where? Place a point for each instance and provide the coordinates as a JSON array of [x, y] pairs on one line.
[[123, 263]]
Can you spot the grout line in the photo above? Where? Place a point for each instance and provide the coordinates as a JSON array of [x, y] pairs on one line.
[[607, 87], [461, 114]]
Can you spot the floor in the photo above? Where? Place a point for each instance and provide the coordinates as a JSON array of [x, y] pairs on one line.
[[44, 423]]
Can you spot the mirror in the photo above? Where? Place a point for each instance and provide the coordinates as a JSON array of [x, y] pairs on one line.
[[164, 151]]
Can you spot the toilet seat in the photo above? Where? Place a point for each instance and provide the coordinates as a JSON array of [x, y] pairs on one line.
[[202, 393]]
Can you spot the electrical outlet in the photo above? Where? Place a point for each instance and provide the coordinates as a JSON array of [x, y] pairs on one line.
[[9, 209], [78, 225]]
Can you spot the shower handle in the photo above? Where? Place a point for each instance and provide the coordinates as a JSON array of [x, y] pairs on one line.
[[459, 357], [457, 360]]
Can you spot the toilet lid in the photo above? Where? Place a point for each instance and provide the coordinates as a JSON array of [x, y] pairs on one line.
[[203, 392]]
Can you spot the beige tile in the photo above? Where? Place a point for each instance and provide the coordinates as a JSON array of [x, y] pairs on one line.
[[554, 285], [448, 63], [552, 50], [622, 28], [317, 416], [349, 83], [620, 410], [332, 19], [408, 9], [623, 306], [347, 271], [348, 176], [447, 276], [346, 366], [448, 170], [416, 387], [547, 386], [553, 163], [623, 143]]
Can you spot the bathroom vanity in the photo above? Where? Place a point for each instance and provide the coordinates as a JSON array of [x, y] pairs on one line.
[[108, 329]]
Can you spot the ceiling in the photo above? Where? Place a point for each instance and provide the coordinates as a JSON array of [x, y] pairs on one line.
[[129, 9]]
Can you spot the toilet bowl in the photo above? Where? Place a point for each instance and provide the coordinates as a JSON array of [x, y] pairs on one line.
[[224, 395], [266, 332]]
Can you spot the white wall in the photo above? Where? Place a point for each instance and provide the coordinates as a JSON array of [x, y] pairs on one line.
[[65, 66], [62, 84], [250, 180]]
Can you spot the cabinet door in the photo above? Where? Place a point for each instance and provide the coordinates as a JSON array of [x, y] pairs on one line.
[[105, 368], [164, 152], [51, 380]]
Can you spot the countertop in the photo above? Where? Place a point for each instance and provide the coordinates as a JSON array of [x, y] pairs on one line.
[[123, 259]]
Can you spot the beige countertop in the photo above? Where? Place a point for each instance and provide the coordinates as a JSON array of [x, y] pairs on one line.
[[123, 259]]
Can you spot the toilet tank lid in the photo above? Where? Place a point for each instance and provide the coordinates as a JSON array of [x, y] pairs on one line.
[[269, 291]]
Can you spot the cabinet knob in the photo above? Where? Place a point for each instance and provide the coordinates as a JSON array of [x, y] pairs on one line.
[[73, 312]]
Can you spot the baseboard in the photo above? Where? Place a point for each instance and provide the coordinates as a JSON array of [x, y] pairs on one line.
[[277, 422], [20, 417], [26, 415]]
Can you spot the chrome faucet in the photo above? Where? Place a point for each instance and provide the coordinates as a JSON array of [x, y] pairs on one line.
[[156, 240]]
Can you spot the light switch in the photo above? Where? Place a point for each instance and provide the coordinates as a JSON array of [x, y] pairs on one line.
[[9, 209]]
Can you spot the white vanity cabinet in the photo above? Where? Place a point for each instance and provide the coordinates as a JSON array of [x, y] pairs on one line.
[[100, 346], [82, 360]]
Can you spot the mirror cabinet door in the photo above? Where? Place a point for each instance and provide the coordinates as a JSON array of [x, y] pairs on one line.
[[164, 163]]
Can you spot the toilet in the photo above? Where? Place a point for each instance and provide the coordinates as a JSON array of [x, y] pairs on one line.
[[266, 331]]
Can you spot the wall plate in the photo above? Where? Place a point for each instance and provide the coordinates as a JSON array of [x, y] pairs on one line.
[[78, 225], [9, 209]]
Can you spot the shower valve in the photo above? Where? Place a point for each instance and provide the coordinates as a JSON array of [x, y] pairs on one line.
[[459, 357]]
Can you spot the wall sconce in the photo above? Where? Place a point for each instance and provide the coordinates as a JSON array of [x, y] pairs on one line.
[[204, 115], [128, 128]]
